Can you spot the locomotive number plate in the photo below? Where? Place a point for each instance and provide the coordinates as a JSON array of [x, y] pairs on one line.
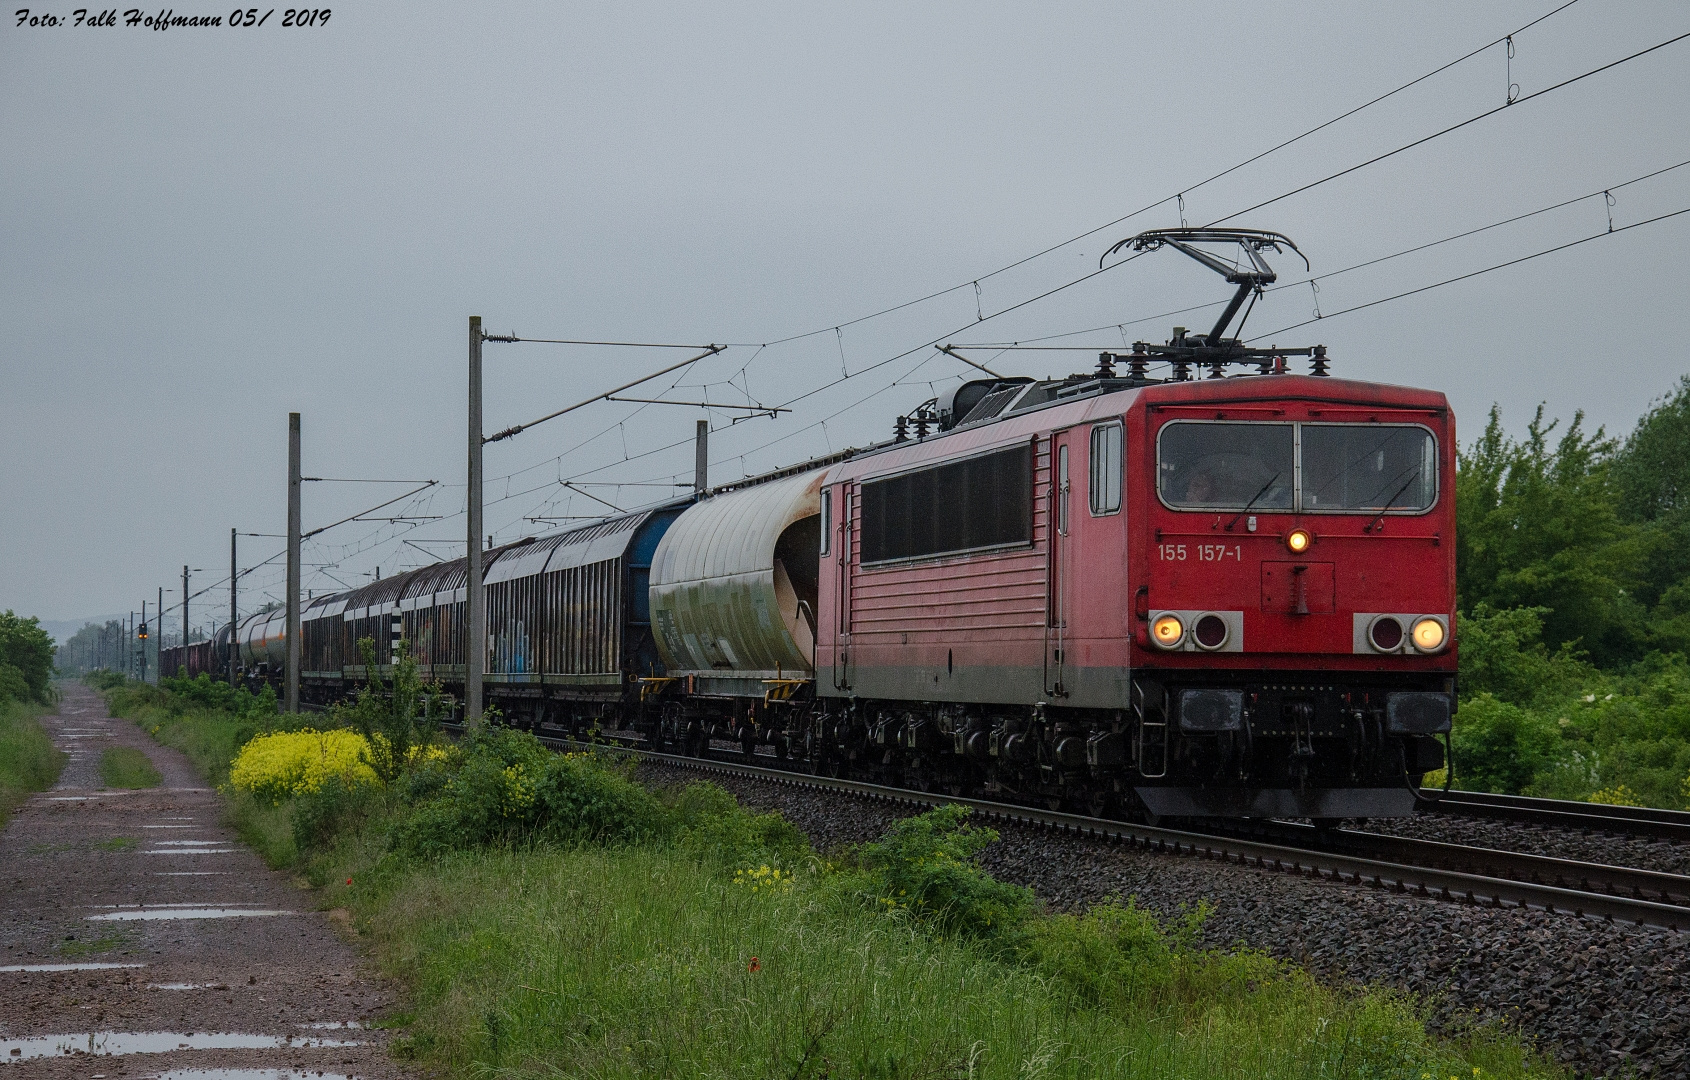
[[1204, 552]]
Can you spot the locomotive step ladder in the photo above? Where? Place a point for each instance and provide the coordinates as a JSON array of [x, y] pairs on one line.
[[1152, 747]]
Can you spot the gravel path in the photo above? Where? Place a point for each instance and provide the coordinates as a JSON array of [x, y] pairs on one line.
[[281, 991], [1609, 1000]]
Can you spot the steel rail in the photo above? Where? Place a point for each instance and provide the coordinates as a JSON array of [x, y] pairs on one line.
[[1635, 820], [1584, 877], [1437, 883]]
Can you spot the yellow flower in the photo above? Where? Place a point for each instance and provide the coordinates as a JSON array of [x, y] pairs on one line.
[[289, 763], [519, 791], [1618, 795]]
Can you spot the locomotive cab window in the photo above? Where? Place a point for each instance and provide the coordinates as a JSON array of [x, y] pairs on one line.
[[1368, 467], [1105, 469], [1226, 466], [1308, 468]]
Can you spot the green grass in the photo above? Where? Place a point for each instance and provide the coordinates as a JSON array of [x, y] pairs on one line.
[[107, 941], [638, 963], [127, 767], [211, 738], [28, 762], [117, 843], [639, 953]]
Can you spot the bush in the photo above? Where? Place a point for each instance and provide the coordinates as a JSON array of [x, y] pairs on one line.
[[715, 828], [333, 807], [924, 868], [509, 787], [211, 693], [102, 680], [1503, 654], [1501, 747]]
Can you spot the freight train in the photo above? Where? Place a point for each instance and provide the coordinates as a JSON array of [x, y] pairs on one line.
[[1213, 594]]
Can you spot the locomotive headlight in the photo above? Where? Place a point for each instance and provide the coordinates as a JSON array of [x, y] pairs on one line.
[[1298, 541], [1167, 631], [1428, 634]]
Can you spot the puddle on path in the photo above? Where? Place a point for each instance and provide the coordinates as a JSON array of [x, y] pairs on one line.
[[192, 873], [67, 967], [113, 1043], [184, 843], [187, 986], [189, 851], [150, 914], [170, 826], [244, 1074], [333, 1025]]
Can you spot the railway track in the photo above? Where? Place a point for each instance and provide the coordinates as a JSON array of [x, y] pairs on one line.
[[1425, 868], [1570, 874], [1597, 817]]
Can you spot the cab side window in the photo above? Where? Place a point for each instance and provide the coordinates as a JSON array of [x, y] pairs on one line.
[[1105, 469]]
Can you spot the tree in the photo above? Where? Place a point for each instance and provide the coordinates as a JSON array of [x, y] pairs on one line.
[[1539, 527], [1652, 470], [26, 659]]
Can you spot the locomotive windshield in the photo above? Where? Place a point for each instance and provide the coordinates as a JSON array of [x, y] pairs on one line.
[[1368, 467], [1221, 466], [1232, 465]]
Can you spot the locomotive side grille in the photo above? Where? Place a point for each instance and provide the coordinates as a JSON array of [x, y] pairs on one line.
[[999, 590]]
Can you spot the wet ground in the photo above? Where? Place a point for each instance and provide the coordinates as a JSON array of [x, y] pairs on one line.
[[140, 938]]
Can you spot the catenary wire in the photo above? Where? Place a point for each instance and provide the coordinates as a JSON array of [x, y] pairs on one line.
[[1476, 273], [1183, 191]]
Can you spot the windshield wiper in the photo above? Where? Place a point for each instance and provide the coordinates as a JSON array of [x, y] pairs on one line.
[[1252, 502], [1379, 519]]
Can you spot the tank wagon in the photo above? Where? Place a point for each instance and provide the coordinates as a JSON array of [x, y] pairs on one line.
[[1219, 593]]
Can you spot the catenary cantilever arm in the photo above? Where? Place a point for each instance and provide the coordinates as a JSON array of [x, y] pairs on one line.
[[508, 432]]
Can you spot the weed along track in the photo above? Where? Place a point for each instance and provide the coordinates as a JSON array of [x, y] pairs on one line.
[[1612, 995], [139, 937]]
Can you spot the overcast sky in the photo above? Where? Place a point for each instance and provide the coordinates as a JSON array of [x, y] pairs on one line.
[[202, 229]]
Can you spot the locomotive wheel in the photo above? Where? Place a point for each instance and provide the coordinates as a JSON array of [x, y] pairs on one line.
[[1098, 802]]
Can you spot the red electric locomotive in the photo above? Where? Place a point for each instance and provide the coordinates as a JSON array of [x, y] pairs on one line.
[[1220, 596]]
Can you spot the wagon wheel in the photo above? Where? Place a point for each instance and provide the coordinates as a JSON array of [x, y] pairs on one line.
[[748, 744]]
